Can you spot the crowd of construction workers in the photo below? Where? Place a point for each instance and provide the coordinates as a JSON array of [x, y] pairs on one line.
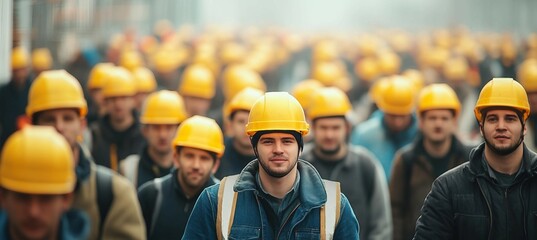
[[269, 134]]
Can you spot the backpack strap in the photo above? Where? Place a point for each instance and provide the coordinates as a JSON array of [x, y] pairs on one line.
[[129, 168], [157, 205], [330, 212], [113, 157], [105, 195], [227, 200]]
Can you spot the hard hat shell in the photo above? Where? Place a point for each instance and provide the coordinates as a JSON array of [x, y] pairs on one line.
[[37, 160], [502, 92], [277, 111], [244, 100], [438, 96], [302, 91], [55, 89], [398, 98], [19, 58], [163, 107], [202, 133], [328, 102], [98, 75], [119, 83], [41, 59], [145, 80], [197, 81]]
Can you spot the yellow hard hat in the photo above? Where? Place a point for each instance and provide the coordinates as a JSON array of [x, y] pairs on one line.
[[145, 80], [232, 53], [375, 91], [98, 75], [438, 96], [165, 61], [41, 59], [277, 111], [197, 81], [244, 100], [19, 58], [398, 97], [163, 107], [202, 133], [328, 102], [55, 89], [238, 77], [37, 160], [389, 63], [456, 69], [302, 91], [527, 75], [328, 73], [502, 92], [119, 83], [367, 69], [131, 60], [325, 50]]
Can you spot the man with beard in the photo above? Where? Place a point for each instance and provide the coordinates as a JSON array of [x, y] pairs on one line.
[[162, 113], [117, 134], [168, 201], [277, 196], [493, 195], [434, 152], [362, 178], [239, 151]]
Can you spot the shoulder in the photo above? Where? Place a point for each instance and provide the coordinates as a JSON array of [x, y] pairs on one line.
[[453, 177]]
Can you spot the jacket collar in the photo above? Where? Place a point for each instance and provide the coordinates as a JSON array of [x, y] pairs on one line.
[[529, 159], [311, 188]]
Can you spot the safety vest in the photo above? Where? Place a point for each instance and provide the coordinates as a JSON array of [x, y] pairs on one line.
[[227, 200]]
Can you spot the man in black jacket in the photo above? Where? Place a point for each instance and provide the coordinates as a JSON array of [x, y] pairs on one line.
[[493, 196]]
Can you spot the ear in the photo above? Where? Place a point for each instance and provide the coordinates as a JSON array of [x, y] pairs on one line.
[[525, 129], [176, 162], [67, 201], [216, 166]]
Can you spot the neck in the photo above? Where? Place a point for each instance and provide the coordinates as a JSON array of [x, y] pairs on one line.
[[164, 160], [508, 164], [122, 124], [277, 187], [437, 149], [14, 236], [76, 154], [188, 190], [336, 156], [244, 150]]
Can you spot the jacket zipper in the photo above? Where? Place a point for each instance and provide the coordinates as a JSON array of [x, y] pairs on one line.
[[506, 205], [286, 219], [488, 206]]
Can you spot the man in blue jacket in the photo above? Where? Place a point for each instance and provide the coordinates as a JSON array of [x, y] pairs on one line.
[[276, 196], [493, 195]]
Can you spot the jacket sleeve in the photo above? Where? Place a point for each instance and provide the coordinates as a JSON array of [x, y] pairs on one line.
[[202, 221], [397, 195], [380, 209], [436, 220], [347, 227], [124, 220]]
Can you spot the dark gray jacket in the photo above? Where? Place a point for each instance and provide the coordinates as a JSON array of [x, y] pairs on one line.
[[466, 203], [364, 183]]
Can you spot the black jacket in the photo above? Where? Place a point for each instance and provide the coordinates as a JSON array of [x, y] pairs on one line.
[[106, 141], [467, 203]]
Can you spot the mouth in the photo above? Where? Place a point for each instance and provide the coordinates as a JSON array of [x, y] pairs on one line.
[[501, 137], [278, 160]]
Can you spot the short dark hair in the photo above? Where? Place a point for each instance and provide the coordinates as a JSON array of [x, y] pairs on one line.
[[213, 154], [36, 115]]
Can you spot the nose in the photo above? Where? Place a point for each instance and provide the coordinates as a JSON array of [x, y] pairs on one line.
[[34, 208], [277, 148]]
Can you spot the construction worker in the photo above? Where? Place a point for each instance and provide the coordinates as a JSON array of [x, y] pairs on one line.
[[362, 178], [239, 151], [117, 135], [435, 150], [279, 195], [14, 95], [492, 195], [37, 180], [41, 60], [96, 79], [56, 99], [162, 113], [145, 85], [197, 88], [394, 128], [167, 202], [527, 76]]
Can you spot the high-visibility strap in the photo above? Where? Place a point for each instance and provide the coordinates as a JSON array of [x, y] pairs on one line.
[[331, 210], [227, 200], [129, 168], [113, 157]]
